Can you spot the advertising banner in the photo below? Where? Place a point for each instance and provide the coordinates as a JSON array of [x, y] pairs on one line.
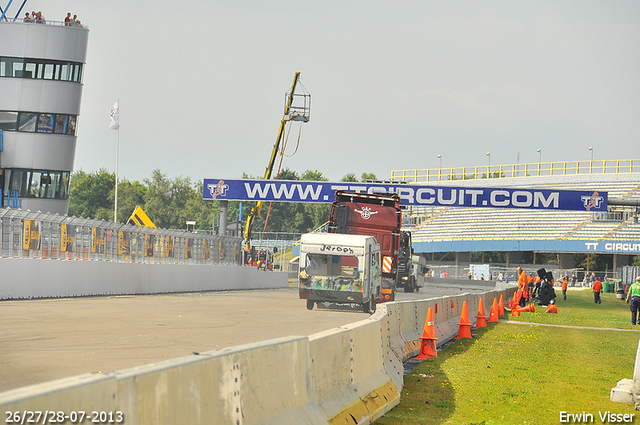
[[97, 240], [168, 243], [188, 248], [123, 242], [206, 250], [149, 242], [67, 237], [31, 237], [411, 195]]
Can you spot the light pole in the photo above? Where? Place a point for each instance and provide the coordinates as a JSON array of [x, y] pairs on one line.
[[591, 149], [489, 168], [540, 155], [440, 158]]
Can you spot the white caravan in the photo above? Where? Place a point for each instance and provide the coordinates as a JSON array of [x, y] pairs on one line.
[[340, 268]]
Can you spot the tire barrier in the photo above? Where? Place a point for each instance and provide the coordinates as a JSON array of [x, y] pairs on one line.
[[352, 374]]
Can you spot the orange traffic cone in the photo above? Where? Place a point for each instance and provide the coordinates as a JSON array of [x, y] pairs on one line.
[[531, 308], [465, 325], [428, 347], [552, 309], [515, 312], [482, 317], [501, 306], [493, 313]]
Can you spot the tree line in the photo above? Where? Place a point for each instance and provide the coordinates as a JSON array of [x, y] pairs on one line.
[[171, 202]]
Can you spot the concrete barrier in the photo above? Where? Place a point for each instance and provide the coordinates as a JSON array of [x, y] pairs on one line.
[[27, 278], [348, 375], [628, 390]]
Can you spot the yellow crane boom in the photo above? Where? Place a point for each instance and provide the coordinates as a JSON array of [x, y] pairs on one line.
[[291, 113]]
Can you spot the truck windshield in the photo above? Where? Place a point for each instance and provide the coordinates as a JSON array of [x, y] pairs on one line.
[[331, 265]]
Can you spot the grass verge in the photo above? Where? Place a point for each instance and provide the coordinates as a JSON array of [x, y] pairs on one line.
[[517, 373]]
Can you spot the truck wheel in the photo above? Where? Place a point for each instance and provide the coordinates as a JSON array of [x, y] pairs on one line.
[[370, 305], [366, 307], [408, 287], [310, 305], [412, 284]]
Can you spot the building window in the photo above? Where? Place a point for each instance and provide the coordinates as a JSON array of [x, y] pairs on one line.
[[8, 120], [33, 122], [37, 183], [45, 123], [27, 122], [46, 69]]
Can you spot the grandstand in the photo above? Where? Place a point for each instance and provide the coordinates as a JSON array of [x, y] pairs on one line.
[[451, 229]]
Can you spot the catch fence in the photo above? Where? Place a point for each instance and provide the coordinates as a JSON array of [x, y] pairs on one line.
[[26, 234]]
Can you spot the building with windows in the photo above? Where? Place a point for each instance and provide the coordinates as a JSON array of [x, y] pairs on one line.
[[41, 72]]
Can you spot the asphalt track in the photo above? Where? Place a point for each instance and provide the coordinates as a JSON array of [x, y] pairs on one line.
[[47, 339]]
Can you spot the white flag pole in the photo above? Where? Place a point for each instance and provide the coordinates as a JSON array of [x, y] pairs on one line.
[[115, 212]]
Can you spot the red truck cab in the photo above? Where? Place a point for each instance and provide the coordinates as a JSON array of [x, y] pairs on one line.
[[376, 215]]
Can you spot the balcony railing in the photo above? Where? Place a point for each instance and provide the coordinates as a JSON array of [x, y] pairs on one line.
[[20, 20], [518, 170]]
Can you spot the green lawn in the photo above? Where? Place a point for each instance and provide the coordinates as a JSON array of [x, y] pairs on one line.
[[526, 373]]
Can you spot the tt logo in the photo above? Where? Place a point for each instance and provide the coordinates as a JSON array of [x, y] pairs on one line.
[[365, 213], [219, 189], [592, 201]]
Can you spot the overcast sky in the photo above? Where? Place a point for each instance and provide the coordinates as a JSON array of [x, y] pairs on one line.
[[393, 84]]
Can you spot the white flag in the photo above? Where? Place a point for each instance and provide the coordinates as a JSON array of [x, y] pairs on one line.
[[114, 121]]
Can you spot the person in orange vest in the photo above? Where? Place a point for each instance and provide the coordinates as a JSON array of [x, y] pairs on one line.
[[538, 284], [531, 282], [597, 288], [522, 287], [565, 284]]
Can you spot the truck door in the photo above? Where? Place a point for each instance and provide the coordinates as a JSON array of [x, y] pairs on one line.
[[367, 273], [342, 218]]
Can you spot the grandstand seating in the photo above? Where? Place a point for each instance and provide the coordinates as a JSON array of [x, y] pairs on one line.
[[455, 224]]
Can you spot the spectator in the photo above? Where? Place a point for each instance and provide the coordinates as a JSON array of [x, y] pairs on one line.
[[537, 287], [500, 277], [523, 287], [565, 283], [35, 189], [67, 20], [26, 18], [633, 296], [597, 288]]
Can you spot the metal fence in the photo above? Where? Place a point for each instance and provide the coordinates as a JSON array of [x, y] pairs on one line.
[[518, 170], [26, 234], [629, 274]]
